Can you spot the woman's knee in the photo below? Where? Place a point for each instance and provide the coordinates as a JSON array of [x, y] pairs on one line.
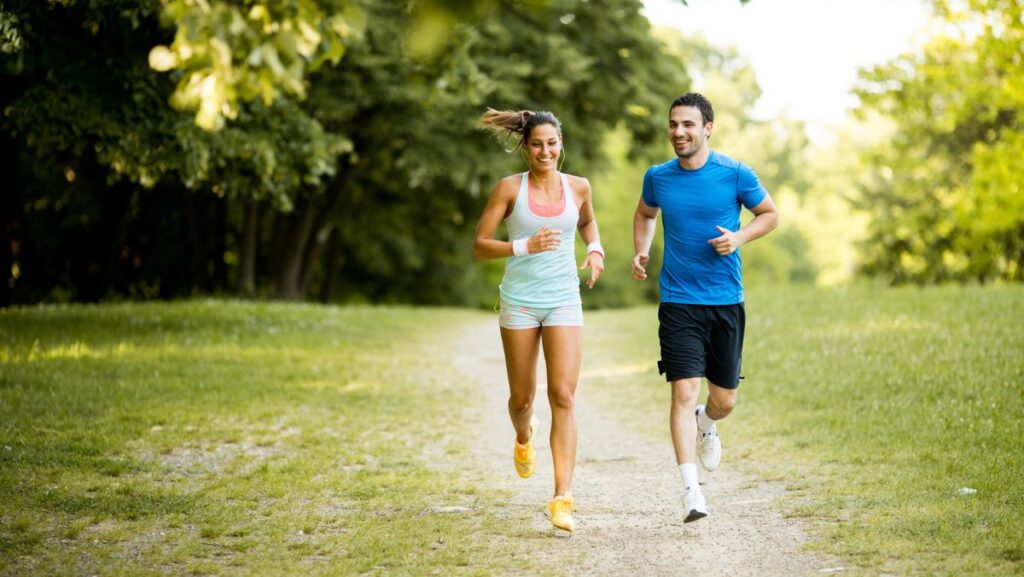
[[520, 403], [561, 397]]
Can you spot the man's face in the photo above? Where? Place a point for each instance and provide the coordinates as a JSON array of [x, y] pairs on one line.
[[687, 130]]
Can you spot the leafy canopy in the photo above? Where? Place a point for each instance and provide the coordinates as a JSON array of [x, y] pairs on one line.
[[945, 197]]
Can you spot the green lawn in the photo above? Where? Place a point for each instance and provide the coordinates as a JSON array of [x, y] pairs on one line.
[[875, 406], [215, 437], [228, 437]]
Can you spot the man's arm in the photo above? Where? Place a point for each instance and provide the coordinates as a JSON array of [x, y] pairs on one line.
[[766, 218], [644, 225]]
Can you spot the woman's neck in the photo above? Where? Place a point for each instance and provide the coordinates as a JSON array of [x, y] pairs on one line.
[[545, 179], [549, 184]]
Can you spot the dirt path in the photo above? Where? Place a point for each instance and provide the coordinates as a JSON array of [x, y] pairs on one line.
[[626, 486]]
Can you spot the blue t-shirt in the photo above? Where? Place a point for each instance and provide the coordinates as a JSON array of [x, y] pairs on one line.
[[692, 203]]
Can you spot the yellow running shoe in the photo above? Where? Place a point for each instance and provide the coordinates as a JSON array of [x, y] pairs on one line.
[[524, 456], [559, 511]]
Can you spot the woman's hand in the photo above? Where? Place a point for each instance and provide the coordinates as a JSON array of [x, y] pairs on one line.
[[545, 240]]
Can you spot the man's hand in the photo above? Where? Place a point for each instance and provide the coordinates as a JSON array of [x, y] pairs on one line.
[[595, 261], [640, 266], [725, 244]]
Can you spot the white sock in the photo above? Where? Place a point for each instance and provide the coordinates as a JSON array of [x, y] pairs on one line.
[[689, 473], [704, 422]]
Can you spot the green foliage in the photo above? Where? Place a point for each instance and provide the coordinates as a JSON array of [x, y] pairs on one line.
[[269, 153], [79, 130], [616, 189], [421, 170], [945, 200], [780, 259], [227, 53], [69, 110], [361, 182], [10, 38]]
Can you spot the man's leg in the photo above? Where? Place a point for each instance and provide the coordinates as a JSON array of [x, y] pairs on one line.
[[718, 406], [723, 374], [684, 434], [684, 429], [720, 402]]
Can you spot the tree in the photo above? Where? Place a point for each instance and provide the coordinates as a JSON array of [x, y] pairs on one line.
[[111, 126], [412, 119], [945, 201], [365, 183]]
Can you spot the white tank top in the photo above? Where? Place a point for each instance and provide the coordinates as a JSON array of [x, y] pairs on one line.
[[544, 279]]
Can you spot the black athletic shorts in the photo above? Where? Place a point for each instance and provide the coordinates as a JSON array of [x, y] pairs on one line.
[[702, 341]]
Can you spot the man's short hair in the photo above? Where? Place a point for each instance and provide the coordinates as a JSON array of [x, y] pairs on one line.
[[697, 101]]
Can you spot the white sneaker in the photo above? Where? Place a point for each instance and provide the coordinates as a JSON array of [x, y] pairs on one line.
[[694, 505], [709, 448]]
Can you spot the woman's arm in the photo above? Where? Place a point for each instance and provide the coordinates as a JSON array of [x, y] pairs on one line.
[[588, 231], [485, 246]]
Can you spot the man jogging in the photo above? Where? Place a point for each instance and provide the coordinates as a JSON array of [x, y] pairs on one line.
[[701, 314]]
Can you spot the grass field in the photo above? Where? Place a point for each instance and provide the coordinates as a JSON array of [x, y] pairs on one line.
[[226, 437], [876, 407], [214, 437]]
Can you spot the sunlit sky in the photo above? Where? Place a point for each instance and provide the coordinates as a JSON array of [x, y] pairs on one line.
[[805, 53]]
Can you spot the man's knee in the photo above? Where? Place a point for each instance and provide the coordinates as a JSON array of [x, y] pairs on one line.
[[723, 400], [685, 391]]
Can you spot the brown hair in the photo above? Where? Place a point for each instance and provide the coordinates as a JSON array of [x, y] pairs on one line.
[[707, 113], [505, 123]]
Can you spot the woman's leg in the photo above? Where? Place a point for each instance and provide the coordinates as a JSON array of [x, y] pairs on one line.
[[521, 347], [562, 352]]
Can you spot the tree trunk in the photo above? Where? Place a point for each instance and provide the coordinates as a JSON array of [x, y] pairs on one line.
[[323, 231], [220, 243], [313, 249], [299, 231], [278, 234], [193, 214], [331, 264], [247, 270], [10, 253]]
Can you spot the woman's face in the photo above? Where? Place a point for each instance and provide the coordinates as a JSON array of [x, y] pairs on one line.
[[544, 147]]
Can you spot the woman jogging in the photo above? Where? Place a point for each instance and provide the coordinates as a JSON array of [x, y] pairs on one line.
[[540, 296]]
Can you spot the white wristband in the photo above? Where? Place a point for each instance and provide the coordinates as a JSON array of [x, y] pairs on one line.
[[595, 247], [520, 248]]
